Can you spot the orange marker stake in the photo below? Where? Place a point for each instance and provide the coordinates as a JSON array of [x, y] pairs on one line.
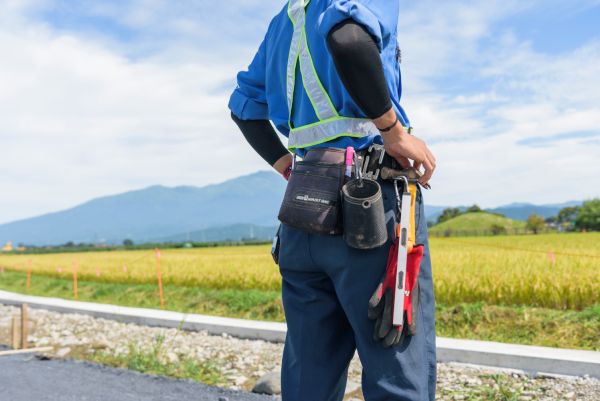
[[159, 278], [75, 293], [552, 257]]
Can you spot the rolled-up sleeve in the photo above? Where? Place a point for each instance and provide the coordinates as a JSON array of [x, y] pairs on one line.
[[377, 16], [249, 101]]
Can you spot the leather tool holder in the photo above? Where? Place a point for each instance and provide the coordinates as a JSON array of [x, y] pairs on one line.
[[312, 200], [364, 215]]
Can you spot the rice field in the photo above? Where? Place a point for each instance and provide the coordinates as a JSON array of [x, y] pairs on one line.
[[560, 271]]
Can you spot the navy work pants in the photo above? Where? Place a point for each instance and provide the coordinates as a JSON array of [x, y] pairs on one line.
[[326, 288]]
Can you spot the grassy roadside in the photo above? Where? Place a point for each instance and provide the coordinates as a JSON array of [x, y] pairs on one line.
[[520, 325], [154, 362]]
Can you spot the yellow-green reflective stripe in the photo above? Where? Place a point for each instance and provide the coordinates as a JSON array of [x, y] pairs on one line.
[[327, 130], [330, 125], [293, 54], [316, 93]]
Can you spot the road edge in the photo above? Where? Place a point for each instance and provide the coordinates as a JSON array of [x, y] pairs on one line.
[[531, 359]]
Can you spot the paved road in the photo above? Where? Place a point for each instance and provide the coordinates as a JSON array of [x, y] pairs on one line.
[[27, 378]]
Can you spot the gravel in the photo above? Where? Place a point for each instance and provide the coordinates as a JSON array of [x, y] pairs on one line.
[[243, 362]]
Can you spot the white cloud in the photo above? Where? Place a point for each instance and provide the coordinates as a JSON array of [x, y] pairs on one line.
[[520, 93], [79, 121], [85, 114]]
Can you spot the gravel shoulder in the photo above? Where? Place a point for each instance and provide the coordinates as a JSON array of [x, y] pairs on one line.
[[240, 362]]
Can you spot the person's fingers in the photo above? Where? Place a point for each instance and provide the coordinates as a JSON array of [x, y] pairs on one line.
[[392, 337], [428, 172], [404, 161], [403, 334], [376, 329], [375, 304], [431, 156], [417, 165], [386, 318]]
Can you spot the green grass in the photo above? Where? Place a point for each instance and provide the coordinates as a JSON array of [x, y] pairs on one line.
[[550, 270], [476, 221], [154, 362], [247, 304], [521, 325], [477, 320]]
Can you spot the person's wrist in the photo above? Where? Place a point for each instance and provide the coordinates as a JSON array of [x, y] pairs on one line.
[[397, 134]]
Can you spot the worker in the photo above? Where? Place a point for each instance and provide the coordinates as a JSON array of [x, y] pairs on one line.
[[327, 76]]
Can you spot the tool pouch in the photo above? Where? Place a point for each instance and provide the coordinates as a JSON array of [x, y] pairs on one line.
[[364, 215], [276, 245], [312, 200]]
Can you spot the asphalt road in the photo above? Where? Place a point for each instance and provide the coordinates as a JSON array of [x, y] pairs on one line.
[[27, 377]]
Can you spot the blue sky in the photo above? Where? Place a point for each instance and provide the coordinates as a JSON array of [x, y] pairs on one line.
[[101, 97]]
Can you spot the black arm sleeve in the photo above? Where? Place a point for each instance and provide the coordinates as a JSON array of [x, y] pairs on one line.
[[358, 64], [262, 137]]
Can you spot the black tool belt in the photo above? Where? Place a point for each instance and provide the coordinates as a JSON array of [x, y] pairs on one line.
[[313, 199]]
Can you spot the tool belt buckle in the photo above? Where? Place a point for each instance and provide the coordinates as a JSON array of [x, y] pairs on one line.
[[373, 159]]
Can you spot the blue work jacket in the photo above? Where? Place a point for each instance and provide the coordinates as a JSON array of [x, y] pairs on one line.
[[261, 90]]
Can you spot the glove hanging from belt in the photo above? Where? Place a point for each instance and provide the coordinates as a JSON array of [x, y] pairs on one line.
[[381, 304]]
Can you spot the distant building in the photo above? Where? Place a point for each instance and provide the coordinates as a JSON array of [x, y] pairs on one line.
[[8, 247]]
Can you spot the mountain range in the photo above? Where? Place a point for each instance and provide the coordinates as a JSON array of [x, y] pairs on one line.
[[243, 207]]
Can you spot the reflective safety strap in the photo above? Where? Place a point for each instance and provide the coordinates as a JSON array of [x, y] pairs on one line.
[[296, 14], [326, 130], [330, 125], [319, 98]]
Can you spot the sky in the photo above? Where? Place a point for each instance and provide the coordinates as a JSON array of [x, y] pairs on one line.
[[103, 97]]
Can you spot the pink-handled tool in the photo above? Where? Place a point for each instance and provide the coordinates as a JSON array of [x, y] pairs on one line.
[[349, 159]]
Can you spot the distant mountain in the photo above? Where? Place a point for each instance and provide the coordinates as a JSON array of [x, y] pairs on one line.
[[520, 211], [229, 210], [235, 232], [156, 212]]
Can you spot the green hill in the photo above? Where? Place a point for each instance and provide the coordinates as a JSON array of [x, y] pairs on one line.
[[477, 223]]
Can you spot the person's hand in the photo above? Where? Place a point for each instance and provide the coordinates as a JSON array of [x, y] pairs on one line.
[[284, 165], [404, 147]]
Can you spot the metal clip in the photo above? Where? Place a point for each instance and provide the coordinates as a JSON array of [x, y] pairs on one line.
[[357, 169], [374, 175]]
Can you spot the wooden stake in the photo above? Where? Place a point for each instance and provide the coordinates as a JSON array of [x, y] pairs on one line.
[[24, 326], [159, 278], [15, 333], [75, 292]]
